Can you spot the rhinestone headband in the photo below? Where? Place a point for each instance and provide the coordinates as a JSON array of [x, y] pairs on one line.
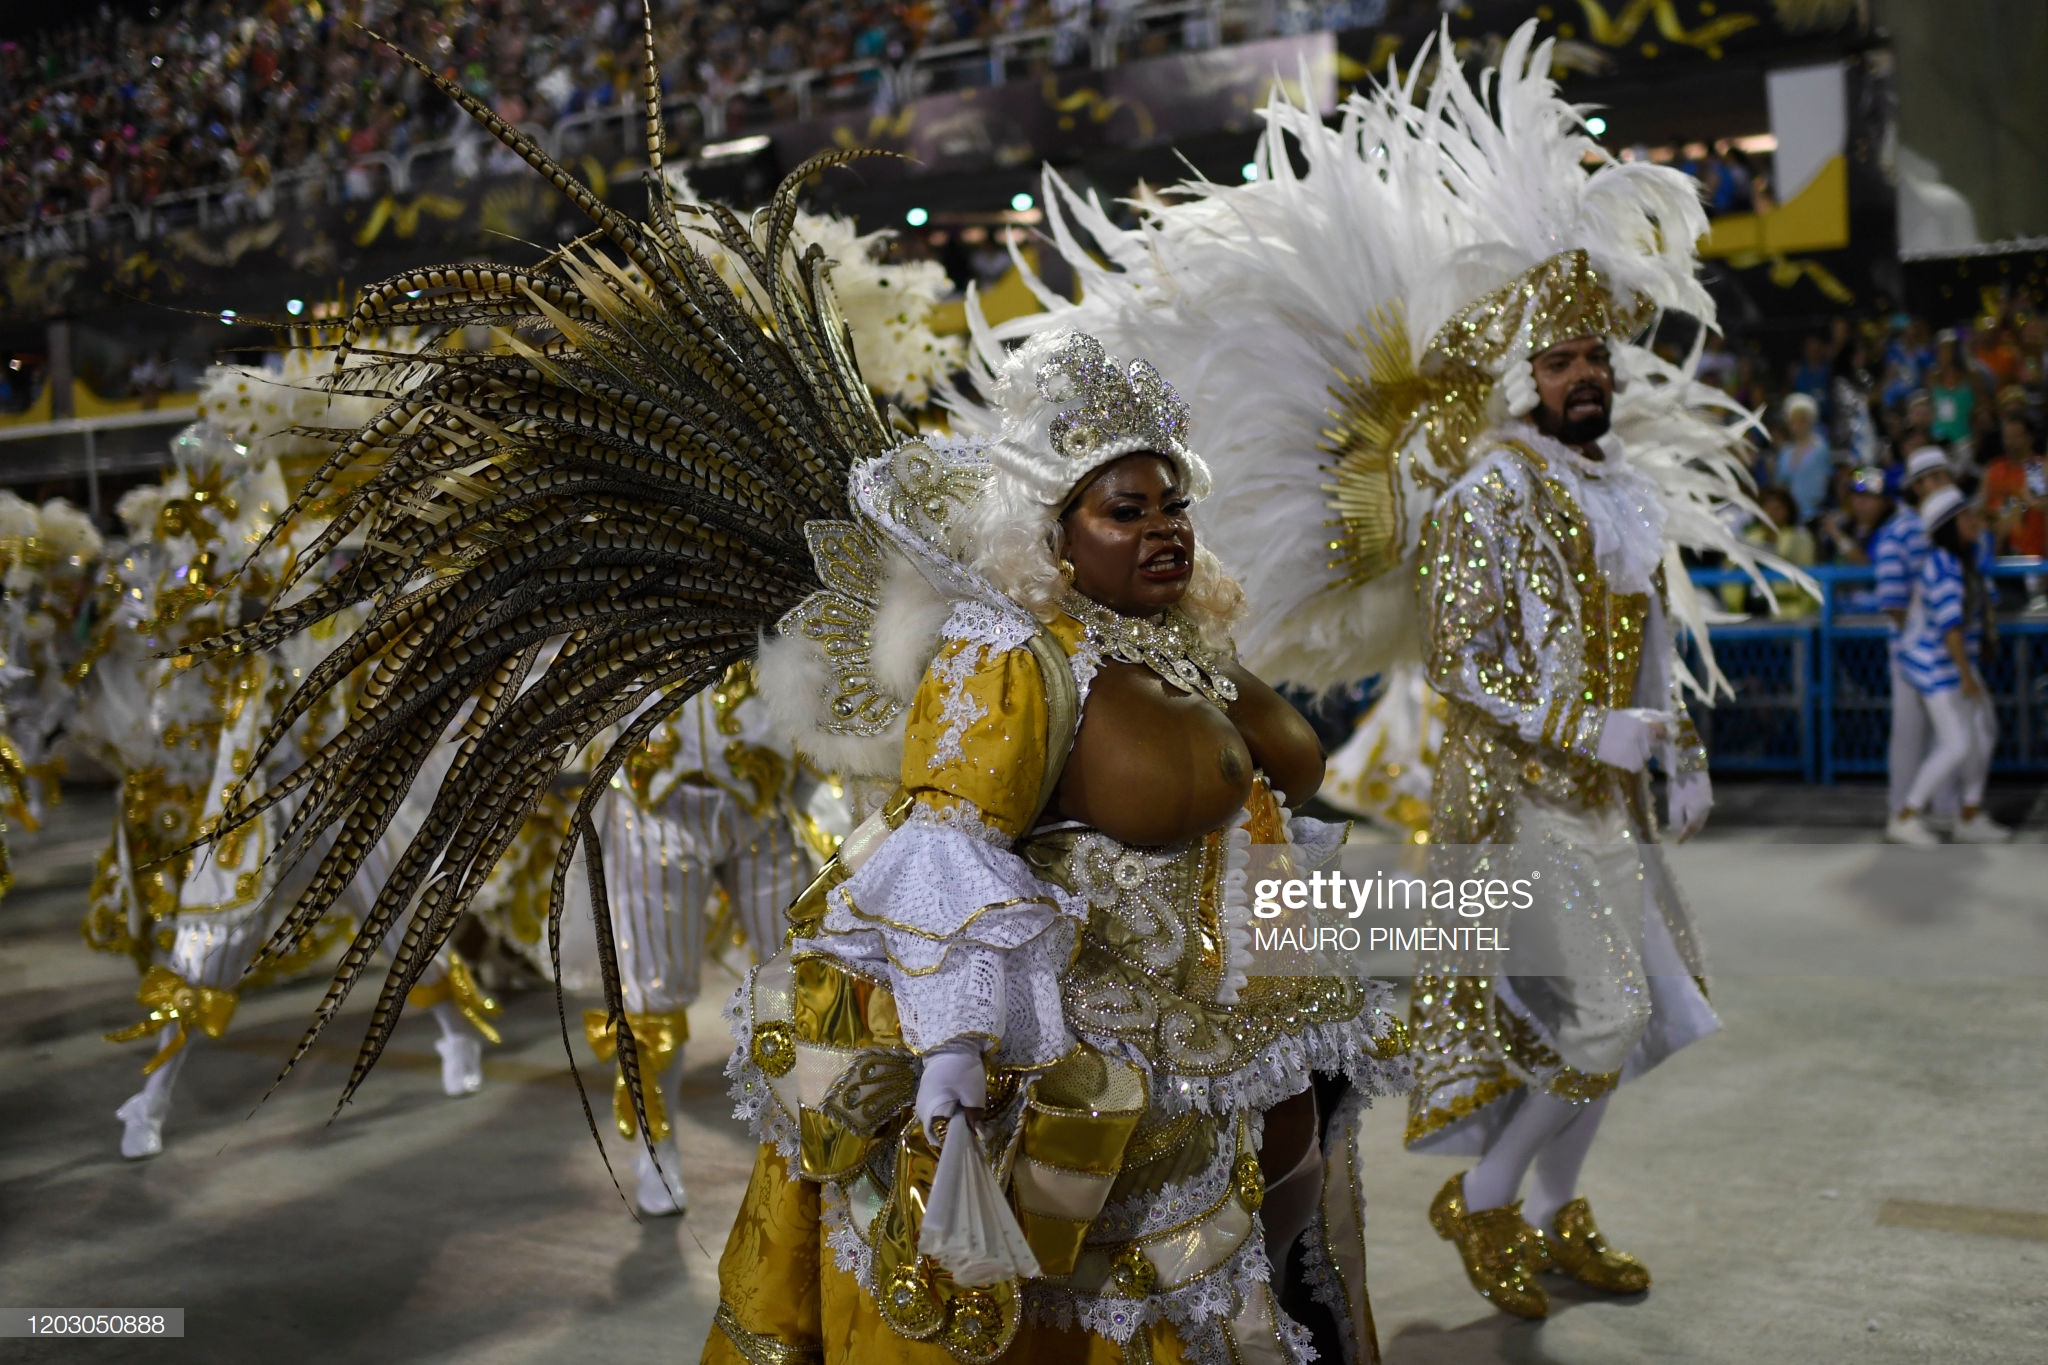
[[1109, 411]]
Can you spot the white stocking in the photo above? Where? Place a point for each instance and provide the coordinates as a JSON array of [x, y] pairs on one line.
[[661, 1191], [453, 1025], [1555, 1178], [142, 1116], [1497, 1179]]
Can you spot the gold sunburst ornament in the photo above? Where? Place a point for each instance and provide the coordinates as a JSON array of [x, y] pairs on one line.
[[1378, 412]]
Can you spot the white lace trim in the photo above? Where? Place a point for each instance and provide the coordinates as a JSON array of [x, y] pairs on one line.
[[959, 709], [1283, 1066], [1086, 661], [969, 940], [934, 884], [1621, 504], [981, 624], [1172, 1203], [1201, 1309], [850, 1251], [754, 1103], [966, 817], [1325, 1285], [988, 633]]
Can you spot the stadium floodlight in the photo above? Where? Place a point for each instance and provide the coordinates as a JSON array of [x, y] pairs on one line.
[[1250, 171], [917, 217], [227, 317], [1022, 201], [295, 306], [1597, 126]]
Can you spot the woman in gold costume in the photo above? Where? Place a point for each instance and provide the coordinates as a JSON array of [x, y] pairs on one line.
[[1032, 958], [1016, 1091]]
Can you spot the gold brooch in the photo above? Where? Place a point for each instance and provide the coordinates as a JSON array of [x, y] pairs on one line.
[[1393, 1042], [1251, 1186], [910, 1304], [975, 1325], [1132, 1274], [774, 1048]]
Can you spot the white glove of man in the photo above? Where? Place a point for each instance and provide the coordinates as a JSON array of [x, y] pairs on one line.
[[1630, 734], [1690, 798], [953, 1079]]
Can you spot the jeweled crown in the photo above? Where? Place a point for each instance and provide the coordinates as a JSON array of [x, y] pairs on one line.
[[1069, 408], [1107, 411]]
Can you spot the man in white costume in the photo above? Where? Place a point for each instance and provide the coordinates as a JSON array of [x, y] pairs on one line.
[[1545, 615], [707, 807]]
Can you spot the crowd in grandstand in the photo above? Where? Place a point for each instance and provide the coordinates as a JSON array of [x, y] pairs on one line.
[[1848, 411], [203, 93]]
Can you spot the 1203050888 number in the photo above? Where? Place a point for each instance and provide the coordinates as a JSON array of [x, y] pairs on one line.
[[94, 1322]]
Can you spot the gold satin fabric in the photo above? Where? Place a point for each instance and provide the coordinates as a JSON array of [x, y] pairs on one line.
[[780, 1283]]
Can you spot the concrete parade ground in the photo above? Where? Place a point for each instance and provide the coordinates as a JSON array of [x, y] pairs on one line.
[[1853, 1170]]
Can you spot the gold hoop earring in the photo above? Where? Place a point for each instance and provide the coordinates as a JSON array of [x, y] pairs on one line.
[[1067, 571]]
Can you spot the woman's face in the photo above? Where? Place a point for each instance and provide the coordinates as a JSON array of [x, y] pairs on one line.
[[1128, 536], [1969, 524]]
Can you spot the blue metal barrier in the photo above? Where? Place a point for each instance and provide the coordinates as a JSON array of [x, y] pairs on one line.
[[1813, 694]]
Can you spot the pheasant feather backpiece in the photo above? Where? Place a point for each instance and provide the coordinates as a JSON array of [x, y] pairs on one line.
[[565, 534]]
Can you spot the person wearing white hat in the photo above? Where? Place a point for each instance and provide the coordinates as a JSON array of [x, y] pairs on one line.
[[1898, 552], [1804, 464], [1938, 658]]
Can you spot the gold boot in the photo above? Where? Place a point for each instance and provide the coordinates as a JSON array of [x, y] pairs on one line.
[[1495, 1246], [1573, 1245]]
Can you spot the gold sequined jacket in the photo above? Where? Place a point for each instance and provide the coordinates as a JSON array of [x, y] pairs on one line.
[[1530, 645], [1531, 640]]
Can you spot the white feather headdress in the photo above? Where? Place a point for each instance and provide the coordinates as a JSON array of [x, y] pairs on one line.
[[1306, 316]]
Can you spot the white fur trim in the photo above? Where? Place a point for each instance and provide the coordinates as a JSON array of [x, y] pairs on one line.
[[907, 625], [794, 682]]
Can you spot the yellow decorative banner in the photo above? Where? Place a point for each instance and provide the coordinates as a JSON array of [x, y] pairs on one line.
[[404, 219], [1620, 29]]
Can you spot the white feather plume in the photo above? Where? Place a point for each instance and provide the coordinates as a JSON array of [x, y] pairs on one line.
[[887, 304], [1254, 300]]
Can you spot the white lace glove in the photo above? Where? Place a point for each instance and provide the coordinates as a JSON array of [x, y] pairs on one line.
[[953, 1079], [1630, 734], [1690, 798]]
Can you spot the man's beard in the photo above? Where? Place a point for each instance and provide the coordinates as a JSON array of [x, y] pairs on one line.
[[1579, 432]]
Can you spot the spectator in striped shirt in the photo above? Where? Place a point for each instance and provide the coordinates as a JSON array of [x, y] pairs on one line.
[[1939, 659], [1899, 550]]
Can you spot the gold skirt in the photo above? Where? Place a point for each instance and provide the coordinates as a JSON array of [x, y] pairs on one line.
[[787, 1302]]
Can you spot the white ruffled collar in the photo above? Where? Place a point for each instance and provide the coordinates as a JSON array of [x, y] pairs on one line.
[[1623, 506]]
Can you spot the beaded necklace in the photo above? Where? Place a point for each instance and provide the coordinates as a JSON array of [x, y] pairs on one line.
[[1171, 647]]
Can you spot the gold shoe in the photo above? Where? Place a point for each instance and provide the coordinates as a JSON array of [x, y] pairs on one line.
[[1575, 1247], [1495, 1246]]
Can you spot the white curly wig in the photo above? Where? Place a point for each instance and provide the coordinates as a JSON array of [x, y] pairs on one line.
[[1067, 412]]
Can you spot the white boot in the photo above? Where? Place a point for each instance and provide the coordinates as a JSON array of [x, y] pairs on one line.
[[142, 1132], [1980, 828], [142, 1115], [462, 1052], [1910, 828], [659, 1189]]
